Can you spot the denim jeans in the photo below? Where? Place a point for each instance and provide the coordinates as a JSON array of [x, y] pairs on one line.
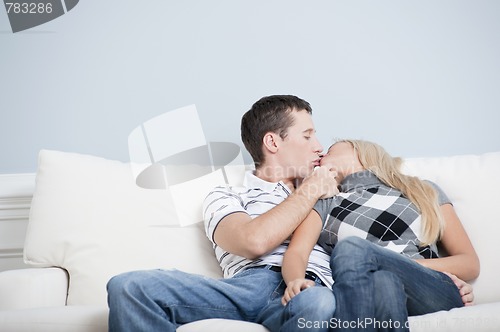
[[376, 288], [159, 300]]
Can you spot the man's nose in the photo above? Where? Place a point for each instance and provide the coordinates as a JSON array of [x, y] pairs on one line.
[[319, 148]]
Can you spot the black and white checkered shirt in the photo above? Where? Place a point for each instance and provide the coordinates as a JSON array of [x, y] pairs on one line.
[[369, 209]]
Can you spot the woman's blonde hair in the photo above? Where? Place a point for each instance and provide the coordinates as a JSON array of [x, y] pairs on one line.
[[374, 158]]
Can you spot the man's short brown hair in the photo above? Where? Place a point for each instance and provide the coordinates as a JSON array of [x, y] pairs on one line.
[[269, 114]]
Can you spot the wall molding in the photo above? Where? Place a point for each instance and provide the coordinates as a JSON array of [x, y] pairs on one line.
[[17, 185], [11, 253], [16, 193]]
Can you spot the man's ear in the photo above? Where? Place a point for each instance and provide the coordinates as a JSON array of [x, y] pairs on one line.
[[270, 142]]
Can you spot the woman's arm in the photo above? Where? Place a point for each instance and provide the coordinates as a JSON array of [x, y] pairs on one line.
[[297, 254], [462, 260]]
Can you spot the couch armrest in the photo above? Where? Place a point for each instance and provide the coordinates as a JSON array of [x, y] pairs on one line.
[[33, 287]]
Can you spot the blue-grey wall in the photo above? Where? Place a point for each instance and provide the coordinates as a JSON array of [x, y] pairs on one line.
[[420, 77]]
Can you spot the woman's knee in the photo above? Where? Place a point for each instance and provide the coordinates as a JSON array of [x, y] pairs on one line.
[[351, 245], [352, 248]]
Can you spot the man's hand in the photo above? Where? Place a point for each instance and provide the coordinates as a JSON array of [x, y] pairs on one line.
[[295, 287], [321, 183], [464, 288]]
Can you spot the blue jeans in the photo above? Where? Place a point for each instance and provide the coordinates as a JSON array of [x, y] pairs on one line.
[[378, 287], [158, 300]]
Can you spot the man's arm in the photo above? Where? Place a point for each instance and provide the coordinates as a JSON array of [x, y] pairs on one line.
[[251, 238]]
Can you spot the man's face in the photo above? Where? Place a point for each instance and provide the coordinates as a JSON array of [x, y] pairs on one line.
[[300, 150]]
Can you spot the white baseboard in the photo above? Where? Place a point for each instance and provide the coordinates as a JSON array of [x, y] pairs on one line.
[[16, 192]]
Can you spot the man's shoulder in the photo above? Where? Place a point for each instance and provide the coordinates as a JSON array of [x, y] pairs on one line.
[[252, 188], [229, 189], [224, 192]]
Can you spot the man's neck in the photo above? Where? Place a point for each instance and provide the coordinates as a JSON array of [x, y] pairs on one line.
[[273, 175]]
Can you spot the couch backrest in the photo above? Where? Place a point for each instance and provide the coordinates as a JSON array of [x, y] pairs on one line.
[[90, 218]]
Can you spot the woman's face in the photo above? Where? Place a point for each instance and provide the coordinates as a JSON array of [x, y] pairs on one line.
[[342, 158]]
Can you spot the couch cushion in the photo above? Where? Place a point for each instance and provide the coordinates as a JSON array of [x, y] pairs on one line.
[[477, 318], [89, 217], [221, 325], [56, 319], [471, 182], [32, 288]]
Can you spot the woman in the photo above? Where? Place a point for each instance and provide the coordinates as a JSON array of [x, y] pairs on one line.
[[381, 231]]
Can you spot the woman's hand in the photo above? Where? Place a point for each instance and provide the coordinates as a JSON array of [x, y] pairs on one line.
[[294, 287], [464, 288]]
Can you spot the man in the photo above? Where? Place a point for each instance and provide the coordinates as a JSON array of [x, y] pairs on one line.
[[249, 228], [279, 134]]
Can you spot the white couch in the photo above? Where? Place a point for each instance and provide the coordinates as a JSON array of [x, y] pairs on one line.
[[89, 221]]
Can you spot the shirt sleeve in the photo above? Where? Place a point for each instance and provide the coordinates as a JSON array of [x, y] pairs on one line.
[[442, 197], [219, 203], [323, 208]]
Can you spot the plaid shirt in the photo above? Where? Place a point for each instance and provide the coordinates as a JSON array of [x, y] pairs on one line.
[[369, 209]]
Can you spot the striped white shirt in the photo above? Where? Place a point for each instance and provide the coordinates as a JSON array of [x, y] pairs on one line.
[[254, 198]]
